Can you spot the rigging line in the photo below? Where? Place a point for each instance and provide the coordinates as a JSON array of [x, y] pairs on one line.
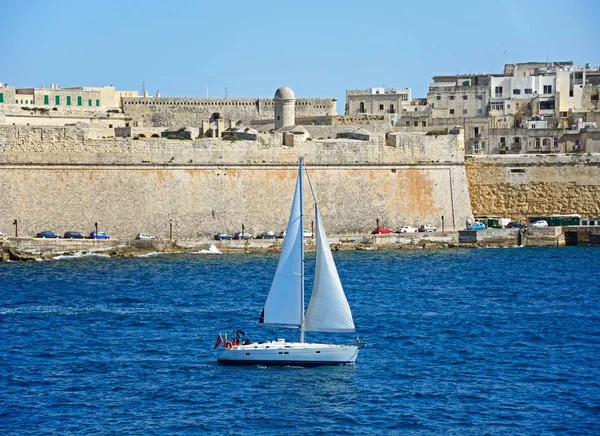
[[310, 184]]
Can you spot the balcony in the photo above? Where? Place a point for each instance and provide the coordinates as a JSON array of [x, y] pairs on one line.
[[516, 146]]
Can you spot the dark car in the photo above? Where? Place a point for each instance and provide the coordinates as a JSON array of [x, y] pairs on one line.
[[266, 235], [74, 235], [240, 235], [98, 235], [222, 237], [515, 225], [47, 234]]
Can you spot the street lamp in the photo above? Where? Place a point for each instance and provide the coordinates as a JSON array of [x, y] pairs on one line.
[[442, 223], [96, 226], [16, 224], [170, 230]]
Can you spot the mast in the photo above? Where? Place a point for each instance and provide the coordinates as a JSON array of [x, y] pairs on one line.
[[302, 252]]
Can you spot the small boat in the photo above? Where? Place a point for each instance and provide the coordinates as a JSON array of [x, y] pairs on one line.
[[328, 309]]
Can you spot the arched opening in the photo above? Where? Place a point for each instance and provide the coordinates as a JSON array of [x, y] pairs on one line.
[[361, 107], [155, 135], [141, 135]]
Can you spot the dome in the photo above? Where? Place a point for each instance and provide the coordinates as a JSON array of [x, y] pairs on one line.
[[285, 92]]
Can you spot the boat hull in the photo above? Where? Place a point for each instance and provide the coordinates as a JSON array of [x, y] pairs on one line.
[[289, 354]]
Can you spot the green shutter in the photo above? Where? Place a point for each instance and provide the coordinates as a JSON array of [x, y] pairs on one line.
[[1, 97], [79, 101], [46, 99], [68, 100], [97, 102], [90, 102], [57, 100]]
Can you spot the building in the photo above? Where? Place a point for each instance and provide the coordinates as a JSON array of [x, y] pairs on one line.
[[377, 101]]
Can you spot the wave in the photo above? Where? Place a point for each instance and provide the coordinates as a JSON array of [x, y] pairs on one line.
[[151, 254], [79, 255], [211, 250]]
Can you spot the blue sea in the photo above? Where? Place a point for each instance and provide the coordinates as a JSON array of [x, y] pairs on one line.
[[459, 341]]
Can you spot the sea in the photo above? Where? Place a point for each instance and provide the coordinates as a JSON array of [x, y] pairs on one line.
[[458, 341]]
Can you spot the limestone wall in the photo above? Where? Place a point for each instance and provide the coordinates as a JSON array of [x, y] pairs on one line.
[[58, 179], [519, 186]]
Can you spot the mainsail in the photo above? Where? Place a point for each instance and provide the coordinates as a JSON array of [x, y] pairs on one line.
[[328, 309], [284, 305]]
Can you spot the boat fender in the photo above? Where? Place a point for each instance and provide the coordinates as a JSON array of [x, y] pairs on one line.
[[228, 345]]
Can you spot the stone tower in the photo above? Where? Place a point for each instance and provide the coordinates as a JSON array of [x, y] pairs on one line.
[[285, 107]]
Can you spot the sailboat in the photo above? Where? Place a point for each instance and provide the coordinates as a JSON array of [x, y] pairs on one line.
[[328, 309]]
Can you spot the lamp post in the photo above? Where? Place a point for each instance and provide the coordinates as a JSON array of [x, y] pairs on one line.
[[312, 229], [242, 235], [170, 230], [96, 226], [16, 224], [442, 223]]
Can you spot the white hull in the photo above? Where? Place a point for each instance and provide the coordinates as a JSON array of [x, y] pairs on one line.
[[281, 353]]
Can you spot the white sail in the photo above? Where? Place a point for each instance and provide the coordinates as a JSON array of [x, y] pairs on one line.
[[328, 309], [284, 305]]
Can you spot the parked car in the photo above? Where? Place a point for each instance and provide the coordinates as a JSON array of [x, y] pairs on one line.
[[47, 234], [515, 225], [281, 235], [307, 234], [540, 223], [144, 237], [266, 235], [98, 235], [477, 226], [74, 235], [222, 237], [240, 235], [407, 229], [427, 228], [381, 230]]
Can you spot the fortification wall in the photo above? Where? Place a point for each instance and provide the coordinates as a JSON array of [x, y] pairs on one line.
[[58, 179], [522, 185], [168, 112]]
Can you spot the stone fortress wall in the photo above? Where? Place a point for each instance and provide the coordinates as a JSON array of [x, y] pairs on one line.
[[57, 178], [162, 111], [527, 185]]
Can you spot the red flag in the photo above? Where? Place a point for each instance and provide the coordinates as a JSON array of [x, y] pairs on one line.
[[219, 341]]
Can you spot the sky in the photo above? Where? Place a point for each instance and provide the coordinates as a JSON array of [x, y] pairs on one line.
[[318, 48]]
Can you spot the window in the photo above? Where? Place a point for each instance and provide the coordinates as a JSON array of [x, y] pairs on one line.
[[466, 83], [416, 123], [46, 99], [404, 97], [555, 142], [408, 123], [528, 91], [517, 140], [464, 111], [545, 142], [547, 89], [361, 107], [576, 146], [497, 106], [465, 97], [502, 140], [1, 97], [498, 91], [507, 105], [438, 97], [392, 110], [90, 102], [451, 111], [68, 100], [380, 107], [424, 123], [97, 102], [57, 100], [479, 111], [516, 92], [571, 93], [537, 142], [451, 97], [547, 105], [479, 97], [79, 101]]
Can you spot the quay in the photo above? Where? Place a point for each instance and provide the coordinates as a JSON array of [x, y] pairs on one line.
[[21, 249]]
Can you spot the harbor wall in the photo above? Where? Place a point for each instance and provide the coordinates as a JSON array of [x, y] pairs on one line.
[[518, 186], [59, 179]]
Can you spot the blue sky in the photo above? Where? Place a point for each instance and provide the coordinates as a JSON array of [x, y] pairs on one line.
[[320, 49]]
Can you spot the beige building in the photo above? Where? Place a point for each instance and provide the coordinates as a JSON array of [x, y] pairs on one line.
[[377, 101]]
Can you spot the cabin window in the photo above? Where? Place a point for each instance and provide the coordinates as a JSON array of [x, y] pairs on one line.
[[317, 352]]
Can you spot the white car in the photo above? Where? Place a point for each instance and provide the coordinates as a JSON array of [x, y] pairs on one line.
[[144, 237], [408, 229], [540, 223], [427, 228], [307, 234]]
